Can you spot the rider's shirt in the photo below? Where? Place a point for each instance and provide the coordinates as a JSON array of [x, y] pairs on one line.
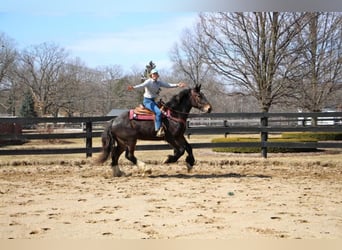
[[152, 88]]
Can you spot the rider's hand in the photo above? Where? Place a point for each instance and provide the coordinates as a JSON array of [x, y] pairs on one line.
[[130, 87], [181, 84]]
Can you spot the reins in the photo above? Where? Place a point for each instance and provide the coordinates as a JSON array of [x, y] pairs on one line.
[[163, 104], [175, 118], [176, 111]]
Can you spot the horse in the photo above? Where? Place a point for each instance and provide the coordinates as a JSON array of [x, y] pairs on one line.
[[121, 133]]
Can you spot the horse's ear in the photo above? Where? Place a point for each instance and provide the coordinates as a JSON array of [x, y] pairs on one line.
[[198, 87]]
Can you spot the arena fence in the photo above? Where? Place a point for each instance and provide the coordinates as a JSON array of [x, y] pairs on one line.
[[49, 128]]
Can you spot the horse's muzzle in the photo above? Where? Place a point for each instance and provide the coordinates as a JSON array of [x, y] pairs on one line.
[[207, 108]]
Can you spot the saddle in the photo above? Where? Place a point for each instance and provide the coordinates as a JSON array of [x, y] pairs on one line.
[[142, 113]]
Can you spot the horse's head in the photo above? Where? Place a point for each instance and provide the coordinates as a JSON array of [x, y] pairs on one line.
[[198, 99]]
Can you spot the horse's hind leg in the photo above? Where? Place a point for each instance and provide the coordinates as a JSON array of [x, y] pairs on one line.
[[130, 156], [117, 151]]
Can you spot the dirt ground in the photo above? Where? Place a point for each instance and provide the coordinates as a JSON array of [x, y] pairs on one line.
[[227, 196]]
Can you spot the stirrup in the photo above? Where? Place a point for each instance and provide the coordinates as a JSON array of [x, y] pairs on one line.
[[160, 132]]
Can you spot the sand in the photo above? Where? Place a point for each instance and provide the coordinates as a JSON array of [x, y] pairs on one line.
[[227, 196]]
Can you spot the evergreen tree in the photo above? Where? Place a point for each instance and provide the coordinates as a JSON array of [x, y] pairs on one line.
[[27, 107], [151, 65]]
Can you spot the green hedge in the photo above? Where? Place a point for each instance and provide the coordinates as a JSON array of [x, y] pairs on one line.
[[257, 149], [319, 136]]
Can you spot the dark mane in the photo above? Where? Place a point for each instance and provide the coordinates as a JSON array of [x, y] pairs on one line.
[[177, 99]]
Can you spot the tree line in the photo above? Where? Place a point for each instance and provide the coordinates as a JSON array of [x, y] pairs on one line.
[[260, 61]]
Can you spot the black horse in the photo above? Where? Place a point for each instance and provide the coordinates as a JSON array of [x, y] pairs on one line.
[[122, 132]]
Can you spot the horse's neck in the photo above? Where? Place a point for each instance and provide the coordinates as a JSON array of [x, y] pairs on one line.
[[182, 110]]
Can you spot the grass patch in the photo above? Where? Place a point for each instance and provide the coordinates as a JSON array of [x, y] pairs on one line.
[[319, 136], [257, 149]]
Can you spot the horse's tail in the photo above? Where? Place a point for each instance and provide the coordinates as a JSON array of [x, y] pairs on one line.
[[107, 144]]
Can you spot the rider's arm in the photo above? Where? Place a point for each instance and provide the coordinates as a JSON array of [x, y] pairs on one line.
[[172, 85], [146, 82]]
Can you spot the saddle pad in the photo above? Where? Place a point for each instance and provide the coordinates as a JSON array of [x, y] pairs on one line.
[[145, 114], [142, 111], [134, 116]]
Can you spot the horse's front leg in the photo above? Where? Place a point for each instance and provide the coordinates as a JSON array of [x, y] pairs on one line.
[[180, 145], [190, 160], [178, 150]]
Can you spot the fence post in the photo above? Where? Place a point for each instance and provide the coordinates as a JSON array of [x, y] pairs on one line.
[[225, 123], [264, 136], [89, 141]]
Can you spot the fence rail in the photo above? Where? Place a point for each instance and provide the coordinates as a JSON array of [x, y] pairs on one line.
[[215, 123]]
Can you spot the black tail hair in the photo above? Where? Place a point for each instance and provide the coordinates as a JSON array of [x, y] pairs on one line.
[[107, 144]]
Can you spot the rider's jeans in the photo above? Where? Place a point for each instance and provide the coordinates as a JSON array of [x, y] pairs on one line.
[[152, 105]]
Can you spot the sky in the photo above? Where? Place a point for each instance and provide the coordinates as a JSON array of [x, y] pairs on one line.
[[129, 33], [100, 36]]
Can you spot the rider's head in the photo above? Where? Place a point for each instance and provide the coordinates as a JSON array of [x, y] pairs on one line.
[[154, 74]]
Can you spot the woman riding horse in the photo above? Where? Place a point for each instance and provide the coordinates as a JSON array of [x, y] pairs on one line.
[[122, 132], [152, 89]]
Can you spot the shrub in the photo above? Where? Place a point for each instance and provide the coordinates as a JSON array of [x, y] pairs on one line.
[[258, 149], [319, 136]]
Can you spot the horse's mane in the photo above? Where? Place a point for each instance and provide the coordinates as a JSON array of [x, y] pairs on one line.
[[177, 99]]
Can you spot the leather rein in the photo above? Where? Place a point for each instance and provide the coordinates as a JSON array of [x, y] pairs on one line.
[[183, 121]]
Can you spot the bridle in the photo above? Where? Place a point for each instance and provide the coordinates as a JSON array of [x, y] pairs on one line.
[[163, 104]]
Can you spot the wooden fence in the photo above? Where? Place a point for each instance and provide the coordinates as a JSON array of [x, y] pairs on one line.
[[205, 124]]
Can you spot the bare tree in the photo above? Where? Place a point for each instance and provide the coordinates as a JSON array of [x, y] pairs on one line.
[[39, 69], [8, 57], [253, 51], [320, 76], [70, 81], [188, 58], [189, 64], [91, 99], [111, 76]]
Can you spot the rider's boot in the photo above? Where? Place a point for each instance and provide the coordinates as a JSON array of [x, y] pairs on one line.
[[160, 132]]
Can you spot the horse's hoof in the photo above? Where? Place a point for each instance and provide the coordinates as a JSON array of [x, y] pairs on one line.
[[167, 160], [148, 171], [117, 174], [120, 174], [189, 167], [141, 164]]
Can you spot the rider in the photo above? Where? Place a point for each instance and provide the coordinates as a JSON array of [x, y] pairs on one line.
[[152, 89]]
